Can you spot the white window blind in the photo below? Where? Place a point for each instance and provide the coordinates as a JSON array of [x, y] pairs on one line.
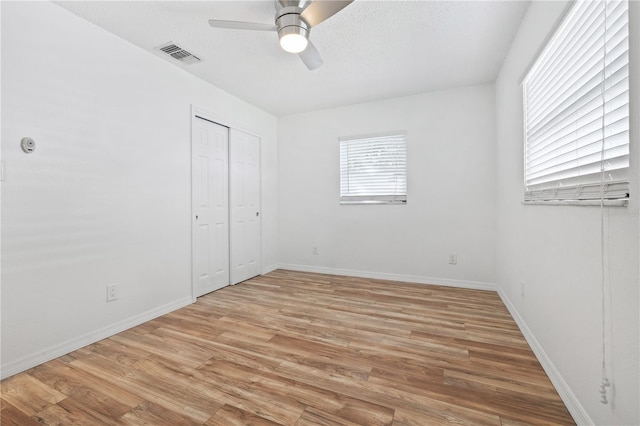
[[373, 169], [576, 107]]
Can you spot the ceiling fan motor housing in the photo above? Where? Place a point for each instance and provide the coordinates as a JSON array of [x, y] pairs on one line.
[[288, 21]]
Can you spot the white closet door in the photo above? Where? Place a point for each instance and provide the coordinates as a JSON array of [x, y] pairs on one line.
[[244, 164], [210, 205]]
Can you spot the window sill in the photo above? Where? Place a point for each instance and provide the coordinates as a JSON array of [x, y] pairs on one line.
[[372, 202], [606, 203]]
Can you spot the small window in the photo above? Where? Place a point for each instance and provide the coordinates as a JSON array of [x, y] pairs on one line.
[[373, 169], [576, 108]]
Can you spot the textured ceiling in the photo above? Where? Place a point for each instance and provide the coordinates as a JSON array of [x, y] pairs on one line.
[[371, 49]]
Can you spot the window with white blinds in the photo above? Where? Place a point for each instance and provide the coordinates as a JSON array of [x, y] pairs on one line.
[[576, 108], [373, 169]]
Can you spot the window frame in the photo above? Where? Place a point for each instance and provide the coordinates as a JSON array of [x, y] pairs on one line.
[[398, 198], [606, 186]]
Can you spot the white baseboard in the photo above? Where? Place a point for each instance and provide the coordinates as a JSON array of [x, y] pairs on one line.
[[576, 409], [53, 352], [475, 285], [270, 268]]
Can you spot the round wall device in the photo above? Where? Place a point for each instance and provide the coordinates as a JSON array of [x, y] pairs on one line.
[[28, 145]]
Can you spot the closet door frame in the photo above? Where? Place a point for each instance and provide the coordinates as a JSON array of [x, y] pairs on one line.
[[203, 113]]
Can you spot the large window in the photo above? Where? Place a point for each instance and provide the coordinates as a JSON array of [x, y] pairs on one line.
[[576, 106], [373, 169]]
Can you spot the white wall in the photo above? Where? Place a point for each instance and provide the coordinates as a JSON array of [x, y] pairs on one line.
[[555, 251], [105, 198], [451, 191]]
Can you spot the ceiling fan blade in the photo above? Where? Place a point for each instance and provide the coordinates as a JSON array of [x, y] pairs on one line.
[[311, 57], [320, 10], [238, 25]]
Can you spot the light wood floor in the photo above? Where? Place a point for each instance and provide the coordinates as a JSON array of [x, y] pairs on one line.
[[301, 349]]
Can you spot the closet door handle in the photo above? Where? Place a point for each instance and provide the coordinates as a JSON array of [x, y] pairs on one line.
[[257, 214]]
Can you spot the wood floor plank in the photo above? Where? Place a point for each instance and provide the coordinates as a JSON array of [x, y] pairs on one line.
[[426, 405], [116, 351], [229, 415], [170, 394], [486, 381], [70, 411], [281, 388], [150, 414], [313, 417], [296, 348], [242, 394], [365, 413], [406, 417], [68, 372], [89, 395], [28, 394], [520, 406], [11, 416]]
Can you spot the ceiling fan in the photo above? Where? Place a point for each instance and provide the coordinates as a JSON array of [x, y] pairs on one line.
[[293, 22]]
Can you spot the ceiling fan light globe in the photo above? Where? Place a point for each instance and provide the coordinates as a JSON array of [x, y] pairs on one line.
[[293, 43]]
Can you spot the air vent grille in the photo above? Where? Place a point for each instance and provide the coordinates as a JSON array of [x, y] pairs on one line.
[[178, 53]]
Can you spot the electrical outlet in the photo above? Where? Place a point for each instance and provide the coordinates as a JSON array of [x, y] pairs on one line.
[[453, 259], [112, 293], [314, 250], [521, 288]]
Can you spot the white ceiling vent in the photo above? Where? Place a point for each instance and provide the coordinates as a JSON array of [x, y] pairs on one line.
[[178, 53]]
